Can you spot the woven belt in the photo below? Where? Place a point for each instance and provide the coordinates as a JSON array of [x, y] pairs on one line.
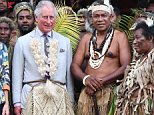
[[43, 81]]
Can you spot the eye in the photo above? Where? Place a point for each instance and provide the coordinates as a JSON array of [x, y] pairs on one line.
[[96, 16], [29, 17], [45, 17], [51, 17], [6, 29], [21, 18]]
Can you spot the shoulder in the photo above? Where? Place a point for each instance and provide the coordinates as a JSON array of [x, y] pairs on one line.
[[120, 34], [60, 37], [26, 37], [86, 37]]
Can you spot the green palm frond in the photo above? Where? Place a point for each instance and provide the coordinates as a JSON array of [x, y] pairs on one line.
[[125, 24], [59, 3], [66, 24]]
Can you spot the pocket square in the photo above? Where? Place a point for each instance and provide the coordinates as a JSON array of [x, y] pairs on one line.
[[62, 50]]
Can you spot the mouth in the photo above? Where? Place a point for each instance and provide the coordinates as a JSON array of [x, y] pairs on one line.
[[48, 26], [2, 8], [136, 47], [25, 25], [100, 24]]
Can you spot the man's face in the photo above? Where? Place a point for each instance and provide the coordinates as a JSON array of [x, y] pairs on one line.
[[101, 20], [25, 21], [82, 19], [3, 6], [46, 20], [5, 32]]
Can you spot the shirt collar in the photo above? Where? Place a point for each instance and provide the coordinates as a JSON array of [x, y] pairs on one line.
[[50, 34]]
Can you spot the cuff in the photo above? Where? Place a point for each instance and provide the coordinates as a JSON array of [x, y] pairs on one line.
[[6, 87], [17, 104]]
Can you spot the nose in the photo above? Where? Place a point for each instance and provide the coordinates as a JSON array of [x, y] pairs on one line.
[[48, 20], [2, 31], [134, 42], [25, 20]]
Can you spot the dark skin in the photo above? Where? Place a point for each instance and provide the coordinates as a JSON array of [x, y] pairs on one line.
[[112, 67], [143, 45], [3, 8], [25, 21]]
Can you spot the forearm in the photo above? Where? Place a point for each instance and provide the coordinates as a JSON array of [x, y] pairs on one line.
[[6, 96], [114, 76], [77, 71]]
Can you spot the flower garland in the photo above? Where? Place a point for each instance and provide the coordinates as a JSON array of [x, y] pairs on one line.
[[45, 64]]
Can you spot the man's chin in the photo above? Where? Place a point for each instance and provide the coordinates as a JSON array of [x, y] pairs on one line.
[[25, 31], [3, 10]]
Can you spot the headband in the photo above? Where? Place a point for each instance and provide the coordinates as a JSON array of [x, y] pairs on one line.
[[22, 6], [101, 7]]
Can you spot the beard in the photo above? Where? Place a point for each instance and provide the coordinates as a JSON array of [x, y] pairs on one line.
[[26, 30], [2, 12]]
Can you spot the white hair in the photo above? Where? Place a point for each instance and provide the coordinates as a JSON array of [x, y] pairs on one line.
[[42, 4]]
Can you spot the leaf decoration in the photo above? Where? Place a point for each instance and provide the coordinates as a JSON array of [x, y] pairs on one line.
[[67, 24]]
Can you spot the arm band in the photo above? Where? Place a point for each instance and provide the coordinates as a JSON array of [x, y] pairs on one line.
[[84, 79]]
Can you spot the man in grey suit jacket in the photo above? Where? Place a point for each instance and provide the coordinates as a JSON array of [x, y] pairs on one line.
[[42, 79]]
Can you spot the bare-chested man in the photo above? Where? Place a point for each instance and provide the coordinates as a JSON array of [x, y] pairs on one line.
[[107, 53]]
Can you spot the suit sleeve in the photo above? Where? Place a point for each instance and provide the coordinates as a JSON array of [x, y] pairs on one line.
[[69, 79], [17, 71]]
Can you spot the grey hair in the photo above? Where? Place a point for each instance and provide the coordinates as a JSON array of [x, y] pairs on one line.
[[8, 21], [82, 11], [42, 4]]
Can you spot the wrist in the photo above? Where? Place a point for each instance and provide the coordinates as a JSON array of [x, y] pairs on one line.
[[17, 104], [84, 79], [6, 102]]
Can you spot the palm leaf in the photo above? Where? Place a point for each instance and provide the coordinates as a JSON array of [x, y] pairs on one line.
[[66, 24], [125, 24], [113, 102], [59, 3]]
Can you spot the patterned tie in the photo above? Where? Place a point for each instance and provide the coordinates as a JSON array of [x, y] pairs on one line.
[[46, 45], [46, 50]]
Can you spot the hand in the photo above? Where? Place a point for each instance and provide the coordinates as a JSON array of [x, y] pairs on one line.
[[17, 110], [89, 91], [5, 110], [93, 83]]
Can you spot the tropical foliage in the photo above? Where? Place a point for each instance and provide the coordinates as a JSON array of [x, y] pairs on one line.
[[67, 23], [125, 24]]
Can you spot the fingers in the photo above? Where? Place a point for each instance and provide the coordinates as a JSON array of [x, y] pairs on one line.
[[5, 110], [17, 110], [97, 84], [89, 91], [93, 83]]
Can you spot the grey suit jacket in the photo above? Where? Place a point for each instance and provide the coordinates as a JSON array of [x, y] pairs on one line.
[[24, 68]]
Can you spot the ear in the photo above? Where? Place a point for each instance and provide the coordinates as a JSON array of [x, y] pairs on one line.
[[36, 18]]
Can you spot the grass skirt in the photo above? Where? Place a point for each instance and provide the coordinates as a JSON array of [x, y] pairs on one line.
[[104, 102]]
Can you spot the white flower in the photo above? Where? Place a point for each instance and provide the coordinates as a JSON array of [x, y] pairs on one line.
[[43, 62]]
